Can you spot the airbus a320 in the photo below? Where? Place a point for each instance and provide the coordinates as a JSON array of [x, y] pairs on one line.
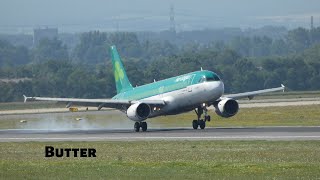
[[193, 91]]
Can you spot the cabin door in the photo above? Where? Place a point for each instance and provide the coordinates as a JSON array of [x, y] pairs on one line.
[[161, 90], [189, 88]]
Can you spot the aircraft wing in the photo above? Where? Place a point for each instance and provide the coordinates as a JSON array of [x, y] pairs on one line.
[[251, 94], [99, 103]]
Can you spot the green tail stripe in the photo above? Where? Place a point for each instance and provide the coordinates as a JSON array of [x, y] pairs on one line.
[[122, 82]]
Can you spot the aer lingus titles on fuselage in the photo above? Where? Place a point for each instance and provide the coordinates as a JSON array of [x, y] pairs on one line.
[[193, 91]]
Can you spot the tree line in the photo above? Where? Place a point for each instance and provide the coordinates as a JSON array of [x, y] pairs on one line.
[[245, 63]]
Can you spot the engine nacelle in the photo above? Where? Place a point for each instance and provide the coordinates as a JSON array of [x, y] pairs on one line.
[[227, 107], [138, 111]]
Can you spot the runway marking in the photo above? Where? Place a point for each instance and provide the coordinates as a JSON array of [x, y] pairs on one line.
[[244, 133], [164, 138], [169, 128]]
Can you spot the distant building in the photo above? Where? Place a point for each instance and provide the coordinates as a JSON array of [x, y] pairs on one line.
[[48, 33]]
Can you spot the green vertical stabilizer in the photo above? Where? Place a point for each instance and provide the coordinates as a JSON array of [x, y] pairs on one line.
[[122, 82]]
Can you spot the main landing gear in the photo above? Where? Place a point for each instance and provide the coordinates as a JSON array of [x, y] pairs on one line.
[[143, 125], [201, 122]]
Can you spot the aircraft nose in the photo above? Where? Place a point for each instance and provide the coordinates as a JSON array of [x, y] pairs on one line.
[[216, 87], [221, 87]]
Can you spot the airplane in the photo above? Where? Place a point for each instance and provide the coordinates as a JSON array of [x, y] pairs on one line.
[[192, 91]]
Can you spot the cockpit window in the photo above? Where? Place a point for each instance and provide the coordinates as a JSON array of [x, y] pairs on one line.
[[209, 77], [202, 79], [214, 78]]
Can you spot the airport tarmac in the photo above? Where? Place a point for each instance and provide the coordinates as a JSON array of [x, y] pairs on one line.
[[219, 133]]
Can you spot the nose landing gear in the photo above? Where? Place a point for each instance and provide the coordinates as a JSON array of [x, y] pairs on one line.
[[201, 122]]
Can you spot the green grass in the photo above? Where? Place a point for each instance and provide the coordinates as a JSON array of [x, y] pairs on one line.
[[30, 105], [166, 160]]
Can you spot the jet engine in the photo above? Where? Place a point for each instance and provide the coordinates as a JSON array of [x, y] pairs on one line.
[[227, 107], [138, 111]]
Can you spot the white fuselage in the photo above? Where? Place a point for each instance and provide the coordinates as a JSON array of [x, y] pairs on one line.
[[188, 98]]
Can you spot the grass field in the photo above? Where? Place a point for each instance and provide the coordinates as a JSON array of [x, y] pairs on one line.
[[30, 105], [166, 160]]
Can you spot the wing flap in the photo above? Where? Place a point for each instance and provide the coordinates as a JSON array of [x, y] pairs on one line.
[[109, 103], [77, 100], [151, 102]]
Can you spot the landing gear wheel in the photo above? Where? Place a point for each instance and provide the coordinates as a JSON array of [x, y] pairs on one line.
[[144, 126], [207, 118], [202, 124], [136, 126], [195, 124]]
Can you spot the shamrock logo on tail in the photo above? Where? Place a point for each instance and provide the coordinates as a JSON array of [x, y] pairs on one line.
[[118, 71]]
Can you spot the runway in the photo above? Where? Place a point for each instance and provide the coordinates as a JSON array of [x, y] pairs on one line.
[[219, 133]]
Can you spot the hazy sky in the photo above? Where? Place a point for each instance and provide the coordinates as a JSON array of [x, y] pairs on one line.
[[154, 14]]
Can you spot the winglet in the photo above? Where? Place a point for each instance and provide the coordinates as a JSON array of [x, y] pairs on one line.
[[25, 98]]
